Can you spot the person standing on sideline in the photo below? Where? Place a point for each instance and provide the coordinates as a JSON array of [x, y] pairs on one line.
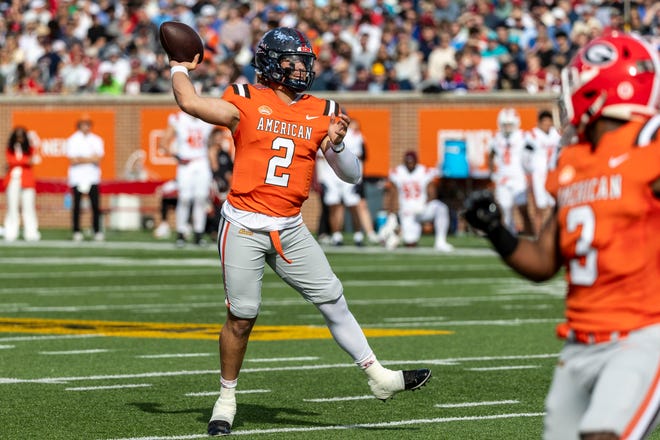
[[508, 163], [277, 130], [545, 139], [85, 150], [20, 187], [186, 138], [604, 231], [413, 187]]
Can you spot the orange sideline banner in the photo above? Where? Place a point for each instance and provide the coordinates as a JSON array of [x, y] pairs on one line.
[[473, 128], [374, 124], [49, 129]]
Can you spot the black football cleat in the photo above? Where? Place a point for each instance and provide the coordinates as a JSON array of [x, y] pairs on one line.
[[218, 427], [415, 379]]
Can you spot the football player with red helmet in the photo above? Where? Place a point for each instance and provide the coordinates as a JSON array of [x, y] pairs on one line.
[[604, 233]]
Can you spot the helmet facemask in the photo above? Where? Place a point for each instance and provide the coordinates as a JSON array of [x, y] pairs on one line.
[[294, 71], [284, 56]]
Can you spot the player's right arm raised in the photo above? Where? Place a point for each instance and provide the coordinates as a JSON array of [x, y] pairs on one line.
[[215, 111]]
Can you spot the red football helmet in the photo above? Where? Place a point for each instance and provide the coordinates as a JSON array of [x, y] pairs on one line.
[[615, 76]]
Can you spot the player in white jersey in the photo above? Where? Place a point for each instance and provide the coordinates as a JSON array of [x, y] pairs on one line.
[[413, 186], [187, 138], [545, 139], [338, 195], [509, 162]]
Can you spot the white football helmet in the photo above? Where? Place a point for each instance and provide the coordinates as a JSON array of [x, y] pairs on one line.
[[508, 121]]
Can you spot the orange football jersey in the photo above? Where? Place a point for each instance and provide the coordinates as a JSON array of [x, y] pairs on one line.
[[276, 145], [609, 228]]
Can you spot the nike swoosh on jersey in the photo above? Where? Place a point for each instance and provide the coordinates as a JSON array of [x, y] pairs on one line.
[[309, 118], [615, 161]]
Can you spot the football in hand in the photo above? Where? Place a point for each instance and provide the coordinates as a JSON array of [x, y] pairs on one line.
[[181, 42]]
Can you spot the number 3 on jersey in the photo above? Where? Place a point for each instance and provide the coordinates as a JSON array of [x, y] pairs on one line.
[[583, 273], [272, 177]]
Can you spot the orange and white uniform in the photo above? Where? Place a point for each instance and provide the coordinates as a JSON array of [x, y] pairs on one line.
[[509, 173], [20, 188], [608, 375], [545, 152], [609, 221], [276, 147]]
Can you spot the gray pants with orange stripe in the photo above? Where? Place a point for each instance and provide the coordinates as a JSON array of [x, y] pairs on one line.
[[245, 253], [607, 387]]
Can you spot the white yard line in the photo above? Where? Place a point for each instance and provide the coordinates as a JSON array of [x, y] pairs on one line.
[[472, 404], [110, 387], [284, 359], [350, 427], [504, 368], [449, 361], [59, 290], [90, 351], [217, 393], [47, 337], [340, 399], [175, 355]]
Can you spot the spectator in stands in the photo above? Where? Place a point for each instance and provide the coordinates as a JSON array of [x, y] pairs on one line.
[[118, 66], [564, 50], [446, 10], [93, 29], [154, 82], [534, 79], [19, 184], [85, 150], [442, 55], [408, 66], [509, 77], [76, 76], [109, 85]]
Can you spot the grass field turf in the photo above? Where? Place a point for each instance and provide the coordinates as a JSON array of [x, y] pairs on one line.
[[118, 340]]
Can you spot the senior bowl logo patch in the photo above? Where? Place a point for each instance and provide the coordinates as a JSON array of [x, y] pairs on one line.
[[566, 175], [265, 110]]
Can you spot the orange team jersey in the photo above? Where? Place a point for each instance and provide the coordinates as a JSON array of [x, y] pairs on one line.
[[609, 229], [276, 147], [23, 161]]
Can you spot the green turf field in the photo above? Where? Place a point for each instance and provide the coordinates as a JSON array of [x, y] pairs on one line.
[[118, 340]]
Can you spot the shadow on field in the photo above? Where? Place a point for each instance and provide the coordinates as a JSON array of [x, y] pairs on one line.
[[267, 414], [257, 414]]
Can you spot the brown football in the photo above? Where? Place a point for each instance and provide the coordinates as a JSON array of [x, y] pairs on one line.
[[180, 41]]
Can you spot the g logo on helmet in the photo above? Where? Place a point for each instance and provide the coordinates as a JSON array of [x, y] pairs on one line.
[[600, 54]]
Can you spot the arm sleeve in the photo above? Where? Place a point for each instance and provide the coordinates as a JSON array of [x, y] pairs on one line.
[[345, 164]]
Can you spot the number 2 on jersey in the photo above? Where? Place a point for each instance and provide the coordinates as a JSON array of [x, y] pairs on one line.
[[272, 177], [583, 273]]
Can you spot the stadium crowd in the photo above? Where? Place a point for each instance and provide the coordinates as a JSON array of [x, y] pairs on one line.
[[112, 46]]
